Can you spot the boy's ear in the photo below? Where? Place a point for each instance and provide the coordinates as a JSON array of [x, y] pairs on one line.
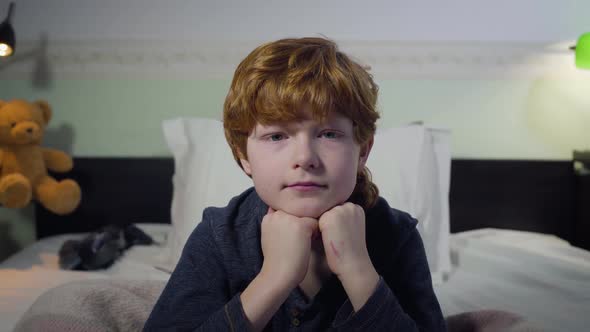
[[365, 151], [245, 164]]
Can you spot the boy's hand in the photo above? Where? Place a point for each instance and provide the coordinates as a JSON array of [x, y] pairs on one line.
[[343, 236], [286, 246]]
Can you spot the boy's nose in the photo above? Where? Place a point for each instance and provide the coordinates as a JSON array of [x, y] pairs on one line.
[[305, 155]]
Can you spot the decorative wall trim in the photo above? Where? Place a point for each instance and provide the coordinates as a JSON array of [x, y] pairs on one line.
[[210, 60]]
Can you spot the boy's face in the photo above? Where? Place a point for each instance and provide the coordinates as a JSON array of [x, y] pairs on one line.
[[305, 167]]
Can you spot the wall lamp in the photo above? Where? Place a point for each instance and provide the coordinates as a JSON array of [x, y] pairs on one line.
[[7, 40], [582, 49]]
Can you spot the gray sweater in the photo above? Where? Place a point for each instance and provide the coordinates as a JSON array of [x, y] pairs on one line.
[[223, 255]]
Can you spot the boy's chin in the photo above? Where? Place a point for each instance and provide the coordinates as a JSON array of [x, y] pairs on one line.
[[305, 212]]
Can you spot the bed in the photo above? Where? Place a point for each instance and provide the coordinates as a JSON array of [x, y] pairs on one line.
[[510, 241]]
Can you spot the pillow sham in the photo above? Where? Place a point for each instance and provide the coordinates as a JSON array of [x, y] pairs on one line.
[[411, 167], [205, 174]]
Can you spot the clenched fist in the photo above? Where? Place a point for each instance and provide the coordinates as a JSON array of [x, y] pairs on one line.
[[343, 236], [286, 245]]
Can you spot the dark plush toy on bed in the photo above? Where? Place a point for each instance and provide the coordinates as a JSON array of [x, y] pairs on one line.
[[24, 163], [101, 249]]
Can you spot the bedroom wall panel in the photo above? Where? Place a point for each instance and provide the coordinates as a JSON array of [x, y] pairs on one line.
[[496, 98]]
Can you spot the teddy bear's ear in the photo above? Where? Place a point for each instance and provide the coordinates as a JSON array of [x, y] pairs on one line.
[[45, 108]]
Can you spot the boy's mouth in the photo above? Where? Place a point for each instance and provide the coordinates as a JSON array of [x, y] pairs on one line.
[[306, 186]]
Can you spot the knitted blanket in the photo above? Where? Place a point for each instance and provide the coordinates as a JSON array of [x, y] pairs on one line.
[[124, 305], [93, 305]]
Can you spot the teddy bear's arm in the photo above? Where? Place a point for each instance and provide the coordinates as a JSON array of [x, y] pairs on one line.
[[57, 161]]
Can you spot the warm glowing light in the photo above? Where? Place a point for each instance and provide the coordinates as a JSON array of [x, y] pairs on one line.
[[5, 50], [558, 111]]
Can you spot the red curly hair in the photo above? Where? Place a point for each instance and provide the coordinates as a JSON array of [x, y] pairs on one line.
[[276, 79]]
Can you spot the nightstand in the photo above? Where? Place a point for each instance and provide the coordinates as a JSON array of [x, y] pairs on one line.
[[582, 224]]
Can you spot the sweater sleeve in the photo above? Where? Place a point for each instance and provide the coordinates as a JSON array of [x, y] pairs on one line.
[[196, 297], [404, 299]]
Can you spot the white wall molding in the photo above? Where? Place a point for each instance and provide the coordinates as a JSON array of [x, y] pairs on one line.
[[207, 60]]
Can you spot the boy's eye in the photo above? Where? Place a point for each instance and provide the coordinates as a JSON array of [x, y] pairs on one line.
[[276, 137], [330, 134]]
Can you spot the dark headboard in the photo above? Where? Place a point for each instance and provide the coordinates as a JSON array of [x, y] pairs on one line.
[[534, 196], [114, 191], [527, 195]]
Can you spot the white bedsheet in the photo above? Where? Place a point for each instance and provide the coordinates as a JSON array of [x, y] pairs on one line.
[[30, 272], [537, 276], [540, 277]]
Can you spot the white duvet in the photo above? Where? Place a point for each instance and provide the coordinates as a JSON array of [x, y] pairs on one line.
[[537, 276], [540, 277]]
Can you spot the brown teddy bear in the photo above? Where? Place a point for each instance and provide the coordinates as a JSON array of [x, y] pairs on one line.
[[24, 163]]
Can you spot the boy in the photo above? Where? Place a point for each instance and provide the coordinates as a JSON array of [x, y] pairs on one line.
[[312, 246]]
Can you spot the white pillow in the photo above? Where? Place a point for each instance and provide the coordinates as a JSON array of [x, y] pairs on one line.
[[410, 165], [205, 174]]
